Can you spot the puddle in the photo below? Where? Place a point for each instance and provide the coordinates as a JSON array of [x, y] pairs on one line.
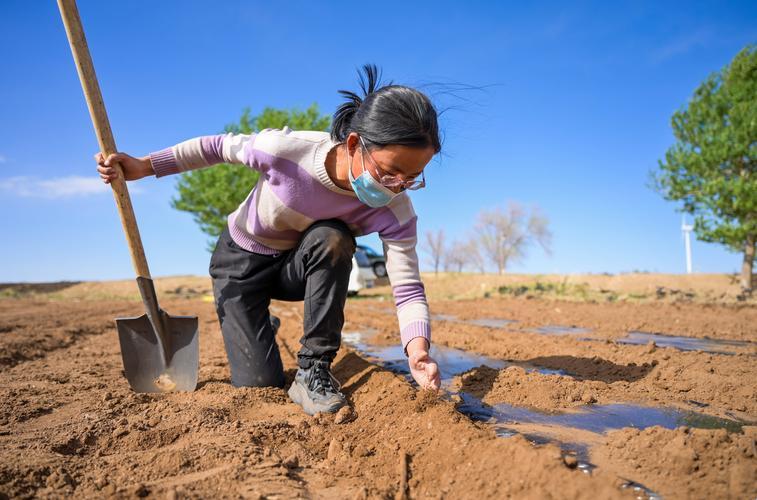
[[443, 317], [451, 361], [559, 330], [641, 491], [503, 323], [716, 346], [488, 322], [599, 418]]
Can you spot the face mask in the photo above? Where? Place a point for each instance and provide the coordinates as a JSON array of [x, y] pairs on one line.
[[367, 189]]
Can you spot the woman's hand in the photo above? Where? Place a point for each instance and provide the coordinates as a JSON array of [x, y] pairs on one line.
[[133, 168], [424, 369]]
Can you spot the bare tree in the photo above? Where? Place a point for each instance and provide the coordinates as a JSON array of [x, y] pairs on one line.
[[434, 247], [456, 257], [505, 235], [473, 251]]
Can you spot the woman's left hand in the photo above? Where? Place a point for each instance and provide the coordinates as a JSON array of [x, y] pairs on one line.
[[424, 369]]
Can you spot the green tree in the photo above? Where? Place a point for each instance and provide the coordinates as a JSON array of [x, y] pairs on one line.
[[211, 194], [711, 167]]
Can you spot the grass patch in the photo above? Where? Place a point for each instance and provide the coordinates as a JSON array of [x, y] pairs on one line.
[[563, 289]]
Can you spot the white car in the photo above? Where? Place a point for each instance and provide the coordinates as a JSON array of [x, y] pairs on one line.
[[362, 275]]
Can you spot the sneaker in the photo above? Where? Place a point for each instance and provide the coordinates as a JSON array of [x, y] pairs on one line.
[[316, 389]]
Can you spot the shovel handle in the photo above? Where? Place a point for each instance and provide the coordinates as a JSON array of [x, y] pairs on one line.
[[88, 79]]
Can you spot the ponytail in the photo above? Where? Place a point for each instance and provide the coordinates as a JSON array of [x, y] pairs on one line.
[[385, 115]]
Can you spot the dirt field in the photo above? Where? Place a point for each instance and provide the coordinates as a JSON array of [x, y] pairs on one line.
[[69, 425]]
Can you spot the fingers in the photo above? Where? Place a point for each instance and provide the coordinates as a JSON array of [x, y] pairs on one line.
[[105, 166], [434, 377]]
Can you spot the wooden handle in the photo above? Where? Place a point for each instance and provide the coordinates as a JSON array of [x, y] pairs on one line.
[[88, 78]]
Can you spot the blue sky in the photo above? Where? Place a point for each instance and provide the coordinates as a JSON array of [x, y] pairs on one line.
[[574, 115]]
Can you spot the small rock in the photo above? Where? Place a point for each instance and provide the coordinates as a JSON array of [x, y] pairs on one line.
[[107, 396], [141, 491], [570, 461], [171, 494], [59, 479], [153, 421], [120, 431], [651, 347], [291, 462], [344, 415], [588, 398], [335, 448]]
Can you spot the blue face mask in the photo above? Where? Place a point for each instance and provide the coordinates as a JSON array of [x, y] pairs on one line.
[[367, 189]]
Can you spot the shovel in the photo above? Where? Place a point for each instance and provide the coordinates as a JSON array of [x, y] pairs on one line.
[[160, 352]]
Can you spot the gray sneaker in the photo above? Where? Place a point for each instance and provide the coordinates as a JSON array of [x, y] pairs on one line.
[[316, 389]]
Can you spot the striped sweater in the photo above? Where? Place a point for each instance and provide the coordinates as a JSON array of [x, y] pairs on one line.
[[294, 191]]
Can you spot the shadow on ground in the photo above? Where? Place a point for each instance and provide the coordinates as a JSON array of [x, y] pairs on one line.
[[595, 368]]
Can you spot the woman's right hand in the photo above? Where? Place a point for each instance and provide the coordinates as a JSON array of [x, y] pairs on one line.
[[133, 168]]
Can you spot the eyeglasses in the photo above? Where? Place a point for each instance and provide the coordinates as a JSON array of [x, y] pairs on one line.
[[394, 181]]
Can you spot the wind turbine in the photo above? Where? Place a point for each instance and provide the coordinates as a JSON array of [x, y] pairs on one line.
[[687, 228]]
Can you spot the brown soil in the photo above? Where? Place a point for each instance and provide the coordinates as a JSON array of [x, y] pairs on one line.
[[609, 371], [605, 372], [70, 425], [687, 463]]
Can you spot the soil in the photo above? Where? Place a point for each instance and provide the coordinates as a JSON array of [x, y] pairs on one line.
[[69, 424], [716, 384], [710, 463]]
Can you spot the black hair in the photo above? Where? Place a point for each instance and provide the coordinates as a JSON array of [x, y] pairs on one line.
[[386, 114]]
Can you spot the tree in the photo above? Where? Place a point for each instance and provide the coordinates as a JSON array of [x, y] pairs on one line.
[[711, 167], [473, 252], [434, 247], [456, 257], [504, 236], [211, 194]]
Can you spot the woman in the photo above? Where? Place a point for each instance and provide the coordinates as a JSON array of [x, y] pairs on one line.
[[293, 237]]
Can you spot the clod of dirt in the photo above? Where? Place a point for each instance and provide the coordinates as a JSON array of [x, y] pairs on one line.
[[344, 415], [570, 461], [335, 449], [141, 491], [291, 462], [67, 446], [59, 479], [120, 431]]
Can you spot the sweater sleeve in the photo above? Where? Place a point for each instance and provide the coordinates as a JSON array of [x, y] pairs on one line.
[[202, 152], [407, 287]]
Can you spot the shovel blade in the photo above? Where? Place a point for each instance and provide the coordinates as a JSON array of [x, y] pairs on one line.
[[155, 366]]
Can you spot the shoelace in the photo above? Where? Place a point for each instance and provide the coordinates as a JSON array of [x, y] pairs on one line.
[[321, 379]]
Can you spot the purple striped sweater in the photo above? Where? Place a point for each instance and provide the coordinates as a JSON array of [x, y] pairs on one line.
[[294, 191]]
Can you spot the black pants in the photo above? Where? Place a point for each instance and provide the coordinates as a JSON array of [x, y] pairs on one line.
[[316, 271]]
